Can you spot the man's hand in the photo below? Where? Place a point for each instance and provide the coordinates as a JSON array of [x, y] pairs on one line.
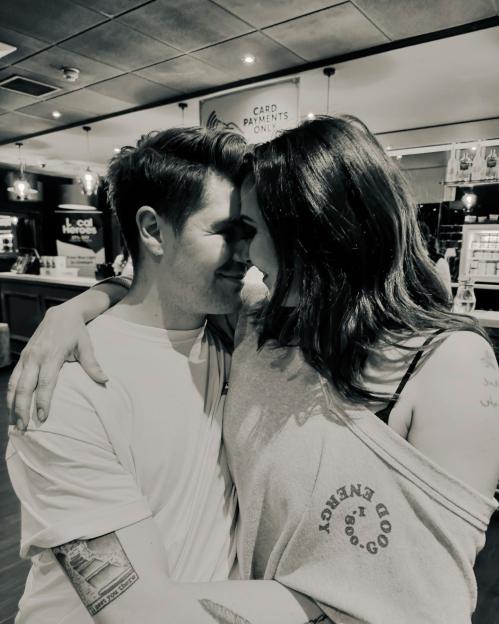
[[60, 337]]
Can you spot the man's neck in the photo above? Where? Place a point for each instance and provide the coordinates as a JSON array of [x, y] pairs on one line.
[[148, 304]]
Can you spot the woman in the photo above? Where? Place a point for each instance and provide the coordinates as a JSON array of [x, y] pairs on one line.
[[361, 424]]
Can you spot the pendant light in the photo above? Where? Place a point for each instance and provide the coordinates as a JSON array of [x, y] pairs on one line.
[[328, 71], [89, 180], [21, 186]]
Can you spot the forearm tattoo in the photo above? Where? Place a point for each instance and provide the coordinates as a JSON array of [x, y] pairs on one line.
[[223, 615], [98, 569]]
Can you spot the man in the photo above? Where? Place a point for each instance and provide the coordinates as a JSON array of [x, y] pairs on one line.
[[125, 486]]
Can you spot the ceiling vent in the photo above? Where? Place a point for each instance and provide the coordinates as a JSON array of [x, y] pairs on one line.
[[26, 86]]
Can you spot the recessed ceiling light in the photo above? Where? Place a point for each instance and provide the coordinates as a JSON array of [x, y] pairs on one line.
[[56, 114], [310, 116], [249, 59], [6, 48]]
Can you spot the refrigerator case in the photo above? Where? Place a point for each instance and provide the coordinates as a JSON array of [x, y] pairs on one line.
[[480, 253]]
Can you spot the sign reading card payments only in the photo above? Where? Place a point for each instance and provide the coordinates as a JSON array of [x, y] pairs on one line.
[[258, 113]]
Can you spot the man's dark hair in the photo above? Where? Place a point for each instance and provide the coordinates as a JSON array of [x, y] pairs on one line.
[[167, 171]]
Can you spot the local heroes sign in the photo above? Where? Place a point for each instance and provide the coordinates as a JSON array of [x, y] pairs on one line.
[[80, 238], [258, 113]]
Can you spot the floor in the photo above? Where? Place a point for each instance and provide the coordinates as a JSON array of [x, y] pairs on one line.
[[13, 570]]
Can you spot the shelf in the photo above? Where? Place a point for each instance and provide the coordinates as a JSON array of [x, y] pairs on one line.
[[472, 183]]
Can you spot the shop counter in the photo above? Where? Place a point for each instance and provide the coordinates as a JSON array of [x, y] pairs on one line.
[[24, 299]]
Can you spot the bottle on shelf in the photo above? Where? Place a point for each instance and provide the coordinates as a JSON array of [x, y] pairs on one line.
[[465, 300], [452, 171], [491, 171]]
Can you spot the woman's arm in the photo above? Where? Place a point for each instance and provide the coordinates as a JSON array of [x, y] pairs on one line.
[[60, 337], [455, 410]]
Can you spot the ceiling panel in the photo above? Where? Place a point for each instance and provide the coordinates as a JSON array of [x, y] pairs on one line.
[[270, 56], [133, 89], [186, 25], [110, 7], [406, 18], [185, 73], [331, 32], [45, 109], [120, 46], [15, 124], [10, 100], [93, 103], [49, 63], [25, 45], [261, 13], [51, 20]]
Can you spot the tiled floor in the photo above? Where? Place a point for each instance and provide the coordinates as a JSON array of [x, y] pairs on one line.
[[13, 571]]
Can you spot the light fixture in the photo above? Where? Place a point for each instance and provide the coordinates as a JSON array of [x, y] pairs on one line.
[[183, 106], [328, 71], [310, 116], [469, 200], [249, 59], [116, 150], [56, 114], [89, 180], [21, 186]]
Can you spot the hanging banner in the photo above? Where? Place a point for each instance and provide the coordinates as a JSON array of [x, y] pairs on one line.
[[80, 237], [258, 113]]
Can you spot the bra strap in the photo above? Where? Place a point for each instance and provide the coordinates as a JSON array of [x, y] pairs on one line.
[[384, 413]]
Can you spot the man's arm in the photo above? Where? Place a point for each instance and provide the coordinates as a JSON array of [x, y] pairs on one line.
[[123, 577], [60, 337]]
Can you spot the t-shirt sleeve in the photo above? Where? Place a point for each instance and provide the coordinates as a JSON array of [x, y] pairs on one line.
[[74, 474]]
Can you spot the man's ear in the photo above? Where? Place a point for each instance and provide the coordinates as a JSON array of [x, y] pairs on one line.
[[148, 224]]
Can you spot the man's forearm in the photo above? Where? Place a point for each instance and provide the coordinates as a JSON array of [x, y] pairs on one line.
[[96, 300]]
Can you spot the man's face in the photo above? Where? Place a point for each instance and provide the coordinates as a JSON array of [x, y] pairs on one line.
[[203, 274]]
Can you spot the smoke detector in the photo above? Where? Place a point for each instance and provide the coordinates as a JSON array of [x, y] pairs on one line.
[[71, 74]]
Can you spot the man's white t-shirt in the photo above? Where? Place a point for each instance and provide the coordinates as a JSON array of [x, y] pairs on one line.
[[147, 444]]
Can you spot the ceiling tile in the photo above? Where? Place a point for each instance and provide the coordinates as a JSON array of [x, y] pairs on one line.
[[406, 18], [270, 56], [25, 45], [118, 45], [261, 13], [91, 102], [185, 74], [15, 124], [44, 110], [110, 7], [10, 100], [49, 64], [186, 25], [133, 89], [331, 32], [50, 21]]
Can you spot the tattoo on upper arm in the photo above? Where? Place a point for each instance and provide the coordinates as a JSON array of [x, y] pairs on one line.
[[98, 569], [489, 361], [222, 614]]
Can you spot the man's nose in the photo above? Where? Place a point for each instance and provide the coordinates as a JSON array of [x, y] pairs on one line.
[[241, 251]]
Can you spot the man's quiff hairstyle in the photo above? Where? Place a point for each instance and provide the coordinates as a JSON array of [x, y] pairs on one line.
[[167, 170]]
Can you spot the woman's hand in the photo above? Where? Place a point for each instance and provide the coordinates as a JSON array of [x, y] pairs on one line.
[[60, 337]]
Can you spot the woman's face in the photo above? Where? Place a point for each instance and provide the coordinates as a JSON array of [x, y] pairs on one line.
[[261, 248]]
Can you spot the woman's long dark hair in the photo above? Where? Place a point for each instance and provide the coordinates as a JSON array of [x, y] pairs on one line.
[[342, 220]]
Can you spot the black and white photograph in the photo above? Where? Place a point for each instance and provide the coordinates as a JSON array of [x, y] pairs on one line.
[[249, 311]]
